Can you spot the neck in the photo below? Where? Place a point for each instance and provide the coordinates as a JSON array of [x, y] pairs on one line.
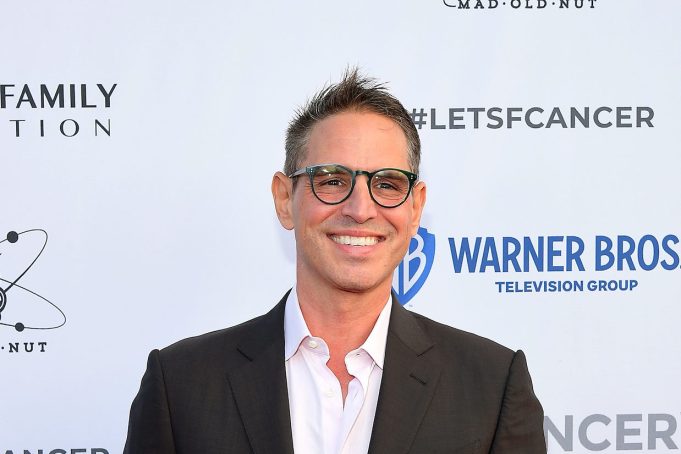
[[343, 319]]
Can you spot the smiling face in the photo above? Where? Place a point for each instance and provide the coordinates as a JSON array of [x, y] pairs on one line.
[[356, 245]]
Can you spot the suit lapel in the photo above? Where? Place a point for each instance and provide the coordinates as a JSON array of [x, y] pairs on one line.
[[407, 386], [259, 385]]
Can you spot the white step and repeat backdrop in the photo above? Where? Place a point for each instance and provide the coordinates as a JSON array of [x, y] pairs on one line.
[[137, 144]]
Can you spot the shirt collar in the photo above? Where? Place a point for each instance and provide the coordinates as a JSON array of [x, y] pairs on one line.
[[375, 343], [296, 330]]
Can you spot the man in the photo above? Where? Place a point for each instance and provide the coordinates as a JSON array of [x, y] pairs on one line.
[[338, 366]]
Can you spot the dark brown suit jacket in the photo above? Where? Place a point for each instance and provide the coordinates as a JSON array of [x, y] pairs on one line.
[[442, 391]]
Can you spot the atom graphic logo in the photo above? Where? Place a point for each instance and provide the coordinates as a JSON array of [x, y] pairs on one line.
[[21, 308]]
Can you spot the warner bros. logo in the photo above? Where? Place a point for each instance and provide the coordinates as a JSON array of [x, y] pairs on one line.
[[413, 270]]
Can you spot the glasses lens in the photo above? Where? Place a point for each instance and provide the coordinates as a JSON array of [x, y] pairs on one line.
[[390, 187], [331, 183]]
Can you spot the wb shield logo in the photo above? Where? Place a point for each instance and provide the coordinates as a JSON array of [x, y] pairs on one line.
[[415, 267]]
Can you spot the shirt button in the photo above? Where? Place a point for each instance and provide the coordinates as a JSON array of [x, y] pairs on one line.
[[312, 344]]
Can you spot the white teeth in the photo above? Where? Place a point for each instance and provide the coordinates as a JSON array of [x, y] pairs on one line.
[[355, 240]]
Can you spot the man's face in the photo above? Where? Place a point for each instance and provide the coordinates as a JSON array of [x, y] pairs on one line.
[[357, 140]]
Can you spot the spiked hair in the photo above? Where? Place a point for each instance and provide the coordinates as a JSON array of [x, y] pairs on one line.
[[355, 92]]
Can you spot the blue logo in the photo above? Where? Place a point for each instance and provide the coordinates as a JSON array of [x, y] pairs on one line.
[[413, 270]]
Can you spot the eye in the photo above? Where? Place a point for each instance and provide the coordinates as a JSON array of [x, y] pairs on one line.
[[386, 185], [390, 182], [330, 180]]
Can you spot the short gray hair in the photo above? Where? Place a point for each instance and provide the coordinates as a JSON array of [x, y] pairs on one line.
[[354, 92]]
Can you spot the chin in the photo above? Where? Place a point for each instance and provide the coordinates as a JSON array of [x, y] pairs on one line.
[[359, 283]]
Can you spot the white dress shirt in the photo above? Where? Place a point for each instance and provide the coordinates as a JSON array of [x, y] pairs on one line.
[[320, 423]]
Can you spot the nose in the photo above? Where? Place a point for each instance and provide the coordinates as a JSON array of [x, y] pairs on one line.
[[359, 206]]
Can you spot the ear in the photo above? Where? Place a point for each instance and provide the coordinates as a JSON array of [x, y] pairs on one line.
[[282, 192], [418, 200]]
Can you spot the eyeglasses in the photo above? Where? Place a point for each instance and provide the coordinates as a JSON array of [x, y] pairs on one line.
[[333, 183]]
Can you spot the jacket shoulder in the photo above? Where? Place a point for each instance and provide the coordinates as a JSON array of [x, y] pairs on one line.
[[215, 348], [465, 346]]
